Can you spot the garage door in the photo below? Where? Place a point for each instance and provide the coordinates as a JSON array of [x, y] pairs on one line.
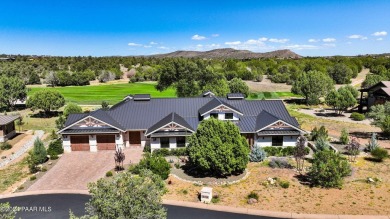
[[105, 142], [79, 143]]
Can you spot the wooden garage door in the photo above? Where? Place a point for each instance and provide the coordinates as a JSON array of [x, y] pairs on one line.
[[105, 142], [79, 143], [135, 138]]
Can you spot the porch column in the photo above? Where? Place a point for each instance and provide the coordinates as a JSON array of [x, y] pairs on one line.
[[92, 143], [66, 143], [119, 140]]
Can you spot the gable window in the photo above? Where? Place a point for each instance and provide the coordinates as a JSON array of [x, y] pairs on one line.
[[229, 116], [214, 115], [277, 140], [181, 141], [164, 142]]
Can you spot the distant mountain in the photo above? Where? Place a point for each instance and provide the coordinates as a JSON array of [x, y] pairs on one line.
[[229, 53]]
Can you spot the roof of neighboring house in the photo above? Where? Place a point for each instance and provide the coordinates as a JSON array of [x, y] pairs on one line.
[[131, 114], [172, 117], [5, 119], [380, 84]]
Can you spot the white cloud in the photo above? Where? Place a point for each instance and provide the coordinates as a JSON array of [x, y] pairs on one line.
[[356, 36], [163, 47], [379, 39], [214, 45], [301, 47], [198, 37], [329, 40], [134, 44], [273, 40], [233, 43], [153, 43], [147, 46], [215, 35], [313, 40], [263, 39], [380, 33], [329, 45]]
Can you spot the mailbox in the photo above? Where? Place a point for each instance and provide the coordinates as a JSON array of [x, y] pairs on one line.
[[206, 194]]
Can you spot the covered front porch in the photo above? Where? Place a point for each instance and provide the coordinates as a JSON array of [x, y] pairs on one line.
[[277, 138]]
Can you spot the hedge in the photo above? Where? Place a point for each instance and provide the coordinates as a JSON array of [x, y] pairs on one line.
[[357, 116], [282, 151], [173, 152]]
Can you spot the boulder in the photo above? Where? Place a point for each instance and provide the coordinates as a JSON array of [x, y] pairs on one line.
[[252, 201]]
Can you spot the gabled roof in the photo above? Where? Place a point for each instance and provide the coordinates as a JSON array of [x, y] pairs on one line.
[[172, 117], [265, 119], [141, 97], [5, 119], [380, 84], [385, 90], [208, 93], [72, 118], [214, 103]]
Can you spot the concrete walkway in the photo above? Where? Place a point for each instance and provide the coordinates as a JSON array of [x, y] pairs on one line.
[[23, 149], [221, 208]]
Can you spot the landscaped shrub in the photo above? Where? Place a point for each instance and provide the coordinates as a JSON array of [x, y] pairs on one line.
[[32, 178], [253, 195], [373, 143], [358, 116], [328, 169], [44, 169], [284, 183], [318, 133], [179, 152], [322, 144], [53, 157], [281, 163], [257, 154], [5, 146], [157, 164], [55, 148], [147, 148], [344, 137], [109, 174], [282, 151], [161, 152], [379, 154], [215, 199], [36, 156]]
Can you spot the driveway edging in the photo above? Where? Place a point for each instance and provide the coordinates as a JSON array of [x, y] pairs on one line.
[[44, 192]]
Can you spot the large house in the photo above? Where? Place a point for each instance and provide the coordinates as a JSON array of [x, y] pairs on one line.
[[376, 94], [7, 127], [140, 120]]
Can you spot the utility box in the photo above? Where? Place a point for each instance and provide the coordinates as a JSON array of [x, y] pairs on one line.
[[206, 194]]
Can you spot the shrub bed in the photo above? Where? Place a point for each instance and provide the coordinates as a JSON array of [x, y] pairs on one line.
[[5, 146], [173, 152], [357, 116], [282, 151]]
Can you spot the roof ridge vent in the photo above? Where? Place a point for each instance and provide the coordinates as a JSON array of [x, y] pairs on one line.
[[235, 96], [141, 97]]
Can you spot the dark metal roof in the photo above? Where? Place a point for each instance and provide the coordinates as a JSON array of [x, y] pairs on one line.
[[215, 102], [172, 117], [239, 96], [5, 119], [279, 132], [264, 119], [72, 118], [142, 115], [168, 134], [89, 131], [142, 97]]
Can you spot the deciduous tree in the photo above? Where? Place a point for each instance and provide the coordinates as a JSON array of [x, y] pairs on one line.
[[46, 100], [11, 90]]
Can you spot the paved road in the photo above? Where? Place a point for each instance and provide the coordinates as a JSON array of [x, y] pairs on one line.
[[58, 205]]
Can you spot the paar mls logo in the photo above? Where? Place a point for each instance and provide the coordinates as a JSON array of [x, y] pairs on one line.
[[27, 209]]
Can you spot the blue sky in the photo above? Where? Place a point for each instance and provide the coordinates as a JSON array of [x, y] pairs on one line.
[[104, 28]]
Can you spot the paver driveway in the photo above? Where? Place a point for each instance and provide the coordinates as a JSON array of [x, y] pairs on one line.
[[76, 169]]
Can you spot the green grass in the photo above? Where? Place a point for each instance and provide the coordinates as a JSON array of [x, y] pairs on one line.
[[271, 95], [113, 93]]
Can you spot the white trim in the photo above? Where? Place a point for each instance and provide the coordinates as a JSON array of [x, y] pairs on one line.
[[219, 106], [284, 123], [59, 132], [147, 134]]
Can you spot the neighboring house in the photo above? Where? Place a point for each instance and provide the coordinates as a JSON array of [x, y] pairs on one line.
[[376, 94], [7, 127], [167, 122]]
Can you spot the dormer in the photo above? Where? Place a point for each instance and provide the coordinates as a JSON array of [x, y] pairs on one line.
[[220, 110]]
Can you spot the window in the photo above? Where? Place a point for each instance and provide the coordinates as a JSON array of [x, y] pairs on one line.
[[164, 142], [277, 140], [180, 141], [228, 115], [214, 115]]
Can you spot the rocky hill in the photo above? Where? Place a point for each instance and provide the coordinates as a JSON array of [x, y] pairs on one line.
[[230, 53]]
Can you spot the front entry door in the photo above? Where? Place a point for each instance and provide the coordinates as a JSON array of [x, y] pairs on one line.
[[135, 138]]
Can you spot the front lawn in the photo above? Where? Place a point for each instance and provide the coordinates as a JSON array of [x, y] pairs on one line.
[[356, 197], [113, 93]]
